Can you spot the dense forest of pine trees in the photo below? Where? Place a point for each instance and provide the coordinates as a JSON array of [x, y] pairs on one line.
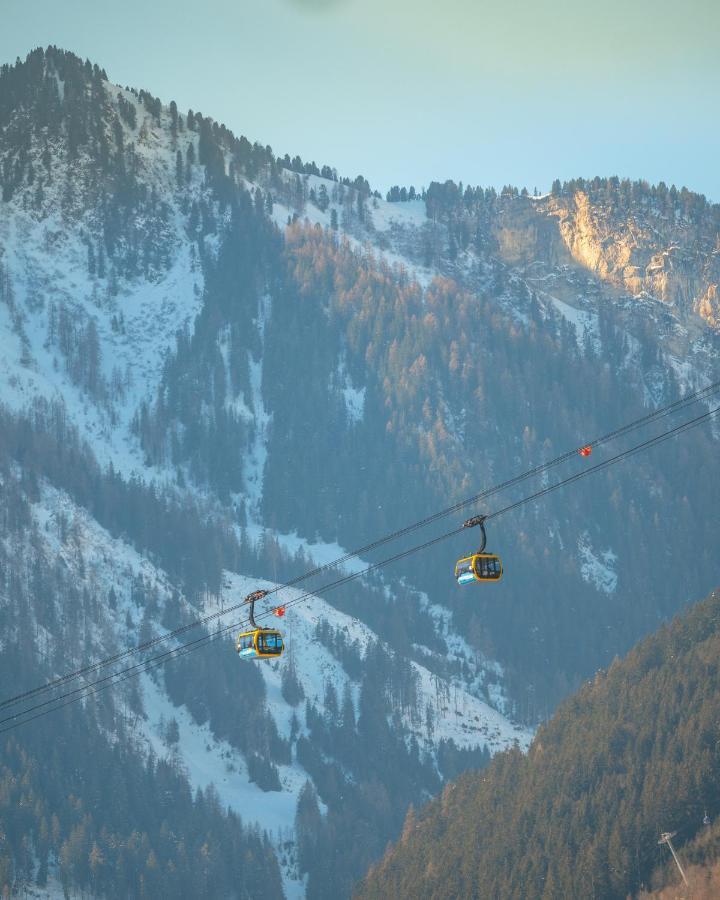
[[115, 827], [354, 781], [633, 753], [74, 803]]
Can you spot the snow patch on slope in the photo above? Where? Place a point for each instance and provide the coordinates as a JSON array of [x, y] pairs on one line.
[[597, 569], [254, 471], [408, 213], [585, 323], [44, 258], [354, 403]]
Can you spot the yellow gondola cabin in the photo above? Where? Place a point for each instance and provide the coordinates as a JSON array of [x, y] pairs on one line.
[[261, 643], [478, 567]]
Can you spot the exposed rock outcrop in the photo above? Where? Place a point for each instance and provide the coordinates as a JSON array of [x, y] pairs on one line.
[[642, 250]]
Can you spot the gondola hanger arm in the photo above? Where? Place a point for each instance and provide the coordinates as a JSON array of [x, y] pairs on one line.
[[475, 520]]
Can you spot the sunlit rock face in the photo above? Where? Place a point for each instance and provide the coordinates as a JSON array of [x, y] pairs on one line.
[[708, 306], [640, 250]]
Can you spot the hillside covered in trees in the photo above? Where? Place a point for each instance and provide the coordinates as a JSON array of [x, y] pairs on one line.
[[633, 753], [82, 806]]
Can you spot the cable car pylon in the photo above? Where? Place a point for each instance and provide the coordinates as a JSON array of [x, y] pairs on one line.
[[666, 838]]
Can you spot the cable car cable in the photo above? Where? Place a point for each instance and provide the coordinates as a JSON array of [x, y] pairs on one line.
[[661, 413], [694, 397], [651, 442], [160, 659], [137, 668], [631, 451]]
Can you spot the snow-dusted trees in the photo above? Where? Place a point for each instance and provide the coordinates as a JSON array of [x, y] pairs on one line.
[[290, 685], [104, 823], [323, 201], [308, 822], [76, 336]]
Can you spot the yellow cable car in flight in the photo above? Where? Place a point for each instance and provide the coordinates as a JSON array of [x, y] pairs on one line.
[[478, 566], [262, 643], [259, 643]]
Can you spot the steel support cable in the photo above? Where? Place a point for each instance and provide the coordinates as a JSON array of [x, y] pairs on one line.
[[694, 397], [118, 679], [160, 658], [88, 690], [631, 451]]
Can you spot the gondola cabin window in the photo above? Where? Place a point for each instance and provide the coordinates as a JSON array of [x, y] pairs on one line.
[[464, 571], [270, 643], [487, 568]]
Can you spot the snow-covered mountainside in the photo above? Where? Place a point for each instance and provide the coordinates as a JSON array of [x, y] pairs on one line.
[[100, 565], [105, 241], [94, 334], [269, 365], [76, 328]]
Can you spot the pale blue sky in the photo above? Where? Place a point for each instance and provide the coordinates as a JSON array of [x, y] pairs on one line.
[[487, 92]]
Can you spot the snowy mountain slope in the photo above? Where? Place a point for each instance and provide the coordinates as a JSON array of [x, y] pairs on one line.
[[457, 715], [45, 259], [387, 231], [152, 311], [50, 259], [131, 595], [316, 665], [509, 245], [404, 234]]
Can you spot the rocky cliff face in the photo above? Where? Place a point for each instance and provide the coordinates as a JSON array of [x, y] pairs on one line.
[[639, 247]]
